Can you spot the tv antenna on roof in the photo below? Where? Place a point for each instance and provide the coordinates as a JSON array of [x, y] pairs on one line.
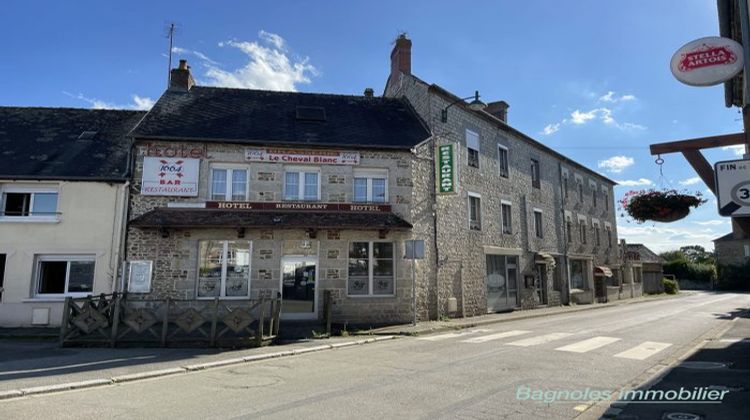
[[170, 29]]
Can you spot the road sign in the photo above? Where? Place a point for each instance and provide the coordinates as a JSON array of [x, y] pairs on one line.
[[733, 187]]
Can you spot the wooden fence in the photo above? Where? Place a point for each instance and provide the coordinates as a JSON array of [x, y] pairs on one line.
[[116, 319]]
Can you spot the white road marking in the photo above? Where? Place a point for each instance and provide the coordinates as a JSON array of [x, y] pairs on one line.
[[643, 350], [496, 336], [533, 341], [77, 365], [588, 345], [440, 337]]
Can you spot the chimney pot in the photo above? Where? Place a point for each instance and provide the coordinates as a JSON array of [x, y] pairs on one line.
[[180, 78], [369, 93], [498, 110]]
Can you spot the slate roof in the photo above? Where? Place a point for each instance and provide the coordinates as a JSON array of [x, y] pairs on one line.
[[261, 117], [646, 255], [212, 218], [47, 143]]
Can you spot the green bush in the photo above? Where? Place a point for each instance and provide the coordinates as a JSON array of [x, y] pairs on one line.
[[670, 286], [685, 270], [734, 277]]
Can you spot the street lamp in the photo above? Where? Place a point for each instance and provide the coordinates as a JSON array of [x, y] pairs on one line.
[[474, 105]]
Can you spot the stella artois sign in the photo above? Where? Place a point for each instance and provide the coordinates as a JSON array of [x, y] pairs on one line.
[[707, 61]]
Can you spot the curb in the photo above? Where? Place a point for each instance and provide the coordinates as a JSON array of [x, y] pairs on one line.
[[132, 377], [577, 308]]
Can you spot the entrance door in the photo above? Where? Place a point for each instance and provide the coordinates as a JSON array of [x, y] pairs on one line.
[[298, 291], [541, 283], [502, 280], [2, 275]]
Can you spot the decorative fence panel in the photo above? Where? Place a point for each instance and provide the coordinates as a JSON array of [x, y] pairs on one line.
[[118, 320]]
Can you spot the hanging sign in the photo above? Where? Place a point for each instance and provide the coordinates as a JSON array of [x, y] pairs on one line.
[[733, 187], [446, 168], [707, 61], [313, 157], [170, 176]]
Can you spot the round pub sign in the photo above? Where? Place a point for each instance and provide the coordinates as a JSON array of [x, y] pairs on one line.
[[707, 61]]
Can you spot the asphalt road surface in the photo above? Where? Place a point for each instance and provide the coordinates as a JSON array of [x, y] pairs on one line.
[[493, 372]]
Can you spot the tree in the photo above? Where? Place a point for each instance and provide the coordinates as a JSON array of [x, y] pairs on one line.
[[696, 254]]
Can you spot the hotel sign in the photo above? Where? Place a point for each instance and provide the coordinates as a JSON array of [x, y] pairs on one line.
[[170, 176], [246, 205], [446, 169], [311, 157]]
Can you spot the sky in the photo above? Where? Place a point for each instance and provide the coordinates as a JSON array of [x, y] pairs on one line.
[[589, 78]]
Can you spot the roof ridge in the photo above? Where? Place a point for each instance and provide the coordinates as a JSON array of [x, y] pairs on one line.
[[67, 108], [287, 92]]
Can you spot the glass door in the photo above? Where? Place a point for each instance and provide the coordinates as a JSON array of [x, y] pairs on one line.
[[502, 289], [298, 287]]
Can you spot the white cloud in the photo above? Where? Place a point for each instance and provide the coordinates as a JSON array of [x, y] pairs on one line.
[[550, 129], [737, 149], [616, 164], [635, 182], [661, 239], [612, 98], [143, 103], [578, 117], [268, 66], [691, 181], [712, 222]]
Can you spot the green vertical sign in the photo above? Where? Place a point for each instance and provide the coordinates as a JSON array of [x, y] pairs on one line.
[[446, 169]]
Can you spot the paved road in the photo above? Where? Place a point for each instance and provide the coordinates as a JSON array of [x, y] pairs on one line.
[[476, 373]]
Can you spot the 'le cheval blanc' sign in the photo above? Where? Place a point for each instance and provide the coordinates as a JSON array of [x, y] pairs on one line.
[[312, 157], [170, 176], [446, 169]]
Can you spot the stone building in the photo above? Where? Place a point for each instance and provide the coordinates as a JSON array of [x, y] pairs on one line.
[[241, 193], [520, 225], [63, 197], [732, 249], [652, 267]]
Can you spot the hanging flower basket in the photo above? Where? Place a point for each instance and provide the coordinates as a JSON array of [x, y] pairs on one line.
[[659, 206]]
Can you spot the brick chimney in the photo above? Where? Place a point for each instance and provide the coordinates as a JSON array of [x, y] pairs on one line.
[[498, 110], [180, 78], [401, 56]]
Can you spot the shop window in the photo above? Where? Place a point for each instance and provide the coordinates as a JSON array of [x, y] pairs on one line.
[[371, 269], [29, 204], [506, 217], [472, 147], [502, 160], [302, 185], [229, 184], [475, 212], [535, 174], [371, 186], [65, 275], [577, 274], [538, 227], [224, 269]]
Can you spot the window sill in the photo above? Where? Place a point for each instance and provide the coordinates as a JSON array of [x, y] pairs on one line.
[[371, 296], [20, 219], [48, 299]]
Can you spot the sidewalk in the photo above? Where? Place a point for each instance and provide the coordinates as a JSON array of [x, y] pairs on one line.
[[33, 366], [428, 327], [721, 366]]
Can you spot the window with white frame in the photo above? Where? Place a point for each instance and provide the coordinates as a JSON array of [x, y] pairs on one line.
[[371, 269], [472, 147], [371, 185], [65, 275], [502, 160], [475, 212], [506, 217], [302, 185], [535, 174], [224, 269], [31, 203], [229, 183], [538, 226]]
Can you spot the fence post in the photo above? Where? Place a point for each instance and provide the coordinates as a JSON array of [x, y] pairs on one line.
[[261, 321], [115, 319], [165, 322], [65, 319], [213, 321]]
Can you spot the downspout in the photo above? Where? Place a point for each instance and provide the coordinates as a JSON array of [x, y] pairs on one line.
[[564, 224]]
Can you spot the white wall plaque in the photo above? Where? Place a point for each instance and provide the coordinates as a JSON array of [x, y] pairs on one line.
[[139, 276], [170, 176]]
